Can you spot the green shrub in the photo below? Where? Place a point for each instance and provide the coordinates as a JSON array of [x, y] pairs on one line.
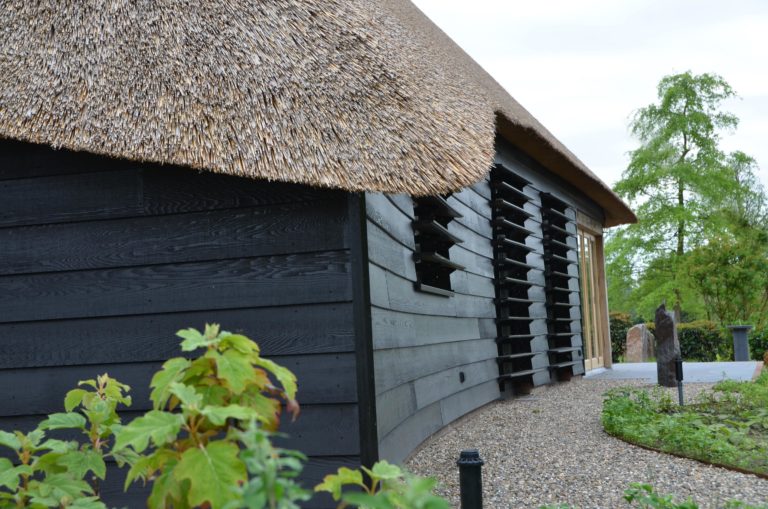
[[703, 341], [620, 324], [758, 344], [206, 442]]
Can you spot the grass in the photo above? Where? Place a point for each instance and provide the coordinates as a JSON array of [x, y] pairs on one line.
[[726, 426]]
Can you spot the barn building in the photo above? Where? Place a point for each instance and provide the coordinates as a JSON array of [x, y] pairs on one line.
[[337, 179]]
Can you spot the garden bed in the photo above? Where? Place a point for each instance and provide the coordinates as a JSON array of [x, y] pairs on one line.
[[726, 426]]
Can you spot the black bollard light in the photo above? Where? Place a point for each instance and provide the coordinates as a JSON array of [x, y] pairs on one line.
[[679, 376], [471, 479]]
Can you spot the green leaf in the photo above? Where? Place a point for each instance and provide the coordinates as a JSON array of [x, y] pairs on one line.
[[9, 440], [188, 396], [284, 375], [333, 483], [173, 371], [115, 390], [166, 490], [73, 398], [219, 414], [385, 471], [9, 477], [378, 501], [59, 446], [213, 473], [67, 420], [157, 426], [78, 463], [194, 340], [145, 466], [240, 343], [87, 503], [235, 368], [62, 486]]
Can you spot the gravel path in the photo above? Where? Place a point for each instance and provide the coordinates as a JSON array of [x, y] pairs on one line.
[[550, 447]]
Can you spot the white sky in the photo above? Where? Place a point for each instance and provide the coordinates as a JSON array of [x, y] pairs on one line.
[[583, 66]]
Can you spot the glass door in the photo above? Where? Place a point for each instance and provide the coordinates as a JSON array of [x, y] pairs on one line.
[[592, 313]]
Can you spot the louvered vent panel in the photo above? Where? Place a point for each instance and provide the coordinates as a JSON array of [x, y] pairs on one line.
[[513, 206], [562, 287], [433, 244]]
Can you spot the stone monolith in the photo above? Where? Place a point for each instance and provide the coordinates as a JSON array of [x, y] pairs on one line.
[[639, 344]]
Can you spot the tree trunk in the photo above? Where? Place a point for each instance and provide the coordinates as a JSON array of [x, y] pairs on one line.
[[680, 248]]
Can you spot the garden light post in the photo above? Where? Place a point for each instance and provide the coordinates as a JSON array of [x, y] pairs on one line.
[[470, 479], [679, 376], [740, 342]]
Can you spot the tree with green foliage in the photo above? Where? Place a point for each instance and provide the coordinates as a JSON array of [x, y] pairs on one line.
[[679, 181]]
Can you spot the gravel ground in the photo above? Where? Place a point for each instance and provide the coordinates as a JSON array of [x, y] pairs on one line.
[[550, 447]]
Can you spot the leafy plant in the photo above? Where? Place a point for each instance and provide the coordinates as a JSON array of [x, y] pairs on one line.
[[727, 426], [52, 472], [189, 445], [620, 323], [645, 497], [388, 487], [205, 443], [272, 473]]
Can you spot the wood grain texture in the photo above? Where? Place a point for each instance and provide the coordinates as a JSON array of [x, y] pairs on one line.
[[410, 432], [224, 284], [286, 330], [42, 390], [102, 260], [422, 342], [322, 430], [47, 200], [397, 366], [314, 470], [402, 297], [199, 236], [23, 160]]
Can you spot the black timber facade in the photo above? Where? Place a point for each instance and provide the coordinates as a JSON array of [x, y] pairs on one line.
[[437, 358], [102, 260]]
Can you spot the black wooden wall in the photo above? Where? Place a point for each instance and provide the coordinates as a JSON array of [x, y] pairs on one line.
[[102, 260], [435, 357], [424, 342]]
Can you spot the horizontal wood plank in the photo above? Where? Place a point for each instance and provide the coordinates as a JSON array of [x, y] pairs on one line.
[[254, 282], [394, 329], [320, 430], [401, 365], [42, 390], [51, 199], [288, 330], [174, 238]]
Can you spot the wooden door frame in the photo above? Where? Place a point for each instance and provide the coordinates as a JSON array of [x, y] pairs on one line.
[[594, 228]]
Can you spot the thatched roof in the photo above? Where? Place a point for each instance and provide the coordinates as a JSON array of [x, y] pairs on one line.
[[355, 94]]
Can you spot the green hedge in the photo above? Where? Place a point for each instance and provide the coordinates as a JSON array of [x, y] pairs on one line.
[[703, 341], [620, 324], [758, 344], [700, 340]]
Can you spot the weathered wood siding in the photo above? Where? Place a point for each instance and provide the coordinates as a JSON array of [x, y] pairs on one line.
[[102, 260], [423, 342]]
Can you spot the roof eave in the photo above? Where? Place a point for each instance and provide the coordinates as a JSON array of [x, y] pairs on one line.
[[616, 211]]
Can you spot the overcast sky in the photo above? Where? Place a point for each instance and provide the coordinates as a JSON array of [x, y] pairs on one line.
[[583, 66]]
